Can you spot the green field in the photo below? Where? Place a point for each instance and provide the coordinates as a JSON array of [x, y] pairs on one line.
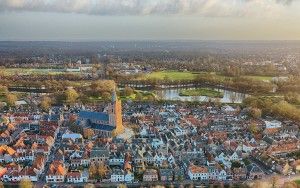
[[178, 75], [201, 92], [172, 75], [261, 78], [2, 98], [28, 71], [298, 182], [144, 94]]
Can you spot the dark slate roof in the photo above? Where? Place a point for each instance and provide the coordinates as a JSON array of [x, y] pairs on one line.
[[99, 152], [116, 171], [102, 127], [94, 115], [166, 172], [53, 117], [252, 168], [268, 140]]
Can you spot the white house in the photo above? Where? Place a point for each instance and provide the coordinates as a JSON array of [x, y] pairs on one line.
[[55, 178], [171, 159], [144, 132], [77, 177], [198, 172], [72, 136], [129, 177], [179, 131], [247, 147], [228, 109], [85, 161], [76, 155], [116, 159], [273, 124], [222, 175], [159, 159], [234, 157], [117, 176], [157, 143], [28, 173], [149, 157], [224, 159], [56, 172], [212, 172]]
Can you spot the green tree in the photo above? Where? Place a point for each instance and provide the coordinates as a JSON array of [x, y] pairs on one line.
[[3, 89], [255, 113], [151, 98], [46, 103], [93, 171], [25, 183], [292, 97], [274, 181], [236, 164], [84, 98], [106, 96], [258, 184], [138, 96], [253, 128], [88, 133], [102, 170], [59, 97], [122, 186], [71, 95], [1, 184], [128, 91], [286, 110], [89, 185], [100, 86], [11, 99], [290, 185]]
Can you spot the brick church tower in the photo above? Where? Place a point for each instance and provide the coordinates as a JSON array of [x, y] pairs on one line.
[[115, 114], [107, 123]]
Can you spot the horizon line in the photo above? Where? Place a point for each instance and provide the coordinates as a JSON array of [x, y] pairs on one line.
[[160, 40]]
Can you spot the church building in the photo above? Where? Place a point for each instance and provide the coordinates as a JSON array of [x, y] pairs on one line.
[[105, 123]]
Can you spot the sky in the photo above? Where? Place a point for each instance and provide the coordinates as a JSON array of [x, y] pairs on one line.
[[98, 20]]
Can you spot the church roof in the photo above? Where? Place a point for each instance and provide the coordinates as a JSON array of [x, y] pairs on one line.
[[102, 127], [94, 115]]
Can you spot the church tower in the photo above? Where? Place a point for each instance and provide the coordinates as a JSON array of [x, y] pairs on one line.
[[115, 114]]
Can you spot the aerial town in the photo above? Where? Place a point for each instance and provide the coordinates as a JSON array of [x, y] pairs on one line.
[[123, 136], [149, 93], [163, 143]]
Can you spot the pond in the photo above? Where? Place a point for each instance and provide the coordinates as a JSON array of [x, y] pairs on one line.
[[173, 94]]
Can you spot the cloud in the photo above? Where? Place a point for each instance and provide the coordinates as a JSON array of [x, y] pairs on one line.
[[286, 2], [211, 8]]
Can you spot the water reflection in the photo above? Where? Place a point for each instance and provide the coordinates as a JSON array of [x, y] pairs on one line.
[[173, 94]]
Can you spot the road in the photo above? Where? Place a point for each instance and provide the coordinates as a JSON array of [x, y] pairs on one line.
[[54, 149]]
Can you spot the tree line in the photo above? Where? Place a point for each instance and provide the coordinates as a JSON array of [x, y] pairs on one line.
[[273, 106]]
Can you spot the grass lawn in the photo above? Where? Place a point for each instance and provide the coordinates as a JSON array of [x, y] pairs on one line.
[[2, 98], [145, 96], [298, 182], [178, 75], [26, 71], [201, 92], [172, 75], [261, 78], [131, 97]]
